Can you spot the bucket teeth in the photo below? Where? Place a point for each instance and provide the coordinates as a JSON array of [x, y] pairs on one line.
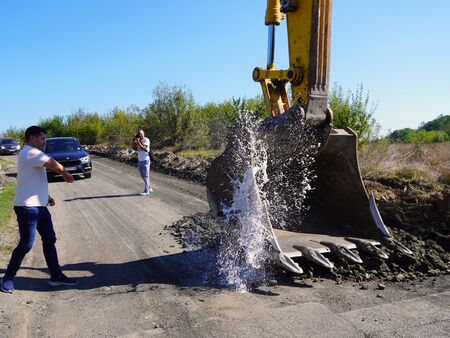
[[393, 244], [315, 257], [343, 252], [287, 263], [368, 247]]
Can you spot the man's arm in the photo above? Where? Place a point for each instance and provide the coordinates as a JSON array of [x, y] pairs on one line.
[[143, 146], [58, 168]]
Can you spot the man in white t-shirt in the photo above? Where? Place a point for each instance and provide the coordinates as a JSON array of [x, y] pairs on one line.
[[30, 206], [142, 145]]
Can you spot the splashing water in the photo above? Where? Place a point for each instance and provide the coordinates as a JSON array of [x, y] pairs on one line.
[[243, 252], [276, 176]]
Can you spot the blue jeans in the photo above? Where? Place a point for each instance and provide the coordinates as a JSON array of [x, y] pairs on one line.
[[144, 170], [31, 219]]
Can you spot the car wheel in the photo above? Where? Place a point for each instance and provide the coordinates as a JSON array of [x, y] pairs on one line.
[[88, 175]]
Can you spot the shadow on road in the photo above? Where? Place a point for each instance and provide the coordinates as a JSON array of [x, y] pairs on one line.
[[97, 197], [187, 269], [196, 268]]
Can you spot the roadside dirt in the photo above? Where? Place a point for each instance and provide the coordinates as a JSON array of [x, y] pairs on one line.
[[417, 212], [8, 237]]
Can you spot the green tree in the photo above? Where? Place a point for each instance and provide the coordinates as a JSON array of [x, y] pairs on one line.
[[85, 126], [118, 127], [435, 131], [441, 123], [55, 126], [170, 117], [17, 133], [354, 110]]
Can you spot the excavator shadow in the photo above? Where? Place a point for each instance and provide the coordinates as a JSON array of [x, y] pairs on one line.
[[195, 268], [188, 269]]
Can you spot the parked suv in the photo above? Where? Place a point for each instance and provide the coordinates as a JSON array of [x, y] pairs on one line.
[[68, 152], [9, 145]]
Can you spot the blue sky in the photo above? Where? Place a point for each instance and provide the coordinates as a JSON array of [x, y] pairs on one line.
[[58, 56]]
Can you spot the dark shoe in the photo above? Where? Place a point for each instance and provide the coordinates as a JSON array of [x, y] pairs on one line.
[[6, 285], [62, 280]]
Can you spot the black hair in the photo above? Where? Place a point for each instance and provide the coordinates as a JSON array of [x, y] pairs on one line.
[[34, 131]]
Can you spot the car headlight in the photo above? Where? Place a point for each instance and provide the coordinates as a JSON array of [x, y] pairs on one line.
[[85, 159], [2, 147]]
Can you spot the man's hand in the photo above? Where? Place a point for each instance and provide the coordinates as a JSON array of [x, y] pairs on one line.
[[67, 176], [59, 168], [51, 201]]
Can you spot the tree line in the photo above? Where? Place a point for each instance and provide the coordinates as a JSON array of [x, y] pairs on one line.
[[174, 119], [435, 131]]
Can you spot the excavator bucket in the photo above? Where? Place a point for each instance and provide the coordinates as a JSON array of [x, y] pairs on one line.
[[298, 138], [341, 219]]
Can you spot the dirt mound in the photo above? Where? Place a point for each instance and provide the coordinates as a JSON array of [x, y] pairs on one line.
[[417, 214]]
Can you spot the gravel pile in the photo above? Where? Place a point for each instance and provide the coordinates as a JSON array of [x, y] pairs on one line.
[[417, 214]]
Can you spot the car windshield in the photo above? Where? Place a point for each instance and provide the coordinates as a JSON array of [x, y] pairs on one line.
[[8, 141], [56, 146]]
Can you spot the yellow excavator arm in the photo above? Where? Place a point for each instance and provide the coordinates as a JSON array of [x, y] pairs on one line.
[[309, 35], [342, 218]]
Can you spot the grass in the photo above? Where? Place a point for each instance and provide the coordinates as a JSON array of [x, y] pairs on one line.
[[429, 162], [4, 162], [203, 153], [7, 193]]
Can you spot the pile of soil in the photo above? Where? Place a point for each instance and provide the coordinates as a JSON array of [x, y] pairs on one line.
[[417, 214]]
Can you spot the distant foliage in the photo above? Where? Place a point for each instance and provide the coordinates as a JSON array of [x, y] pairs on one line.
[[441, 123], [55, 126], [435, 131], [18, 134], [119, 126], [172, 119], [354, 110]]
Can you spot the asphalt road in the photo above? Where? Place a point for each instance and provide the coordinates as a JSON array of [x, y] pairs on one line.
[[135, 281]]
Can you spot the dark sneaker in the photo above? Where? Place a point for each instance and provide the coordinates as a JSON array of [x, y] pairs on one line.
[[6, 285], [62, 280]]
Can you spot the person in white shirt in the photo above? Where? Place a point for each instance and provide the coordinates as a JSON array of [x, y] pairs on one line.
[[30, 206], [142, 145]]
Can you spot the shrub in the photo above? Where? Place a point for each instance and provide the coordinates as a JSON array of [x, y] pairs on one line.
[[353, 110]]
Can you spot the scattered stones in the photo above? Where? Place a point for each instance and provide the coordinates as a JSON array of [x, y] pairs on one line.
[[272, 282], [381, 286], [433, 272], [400, 277]]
